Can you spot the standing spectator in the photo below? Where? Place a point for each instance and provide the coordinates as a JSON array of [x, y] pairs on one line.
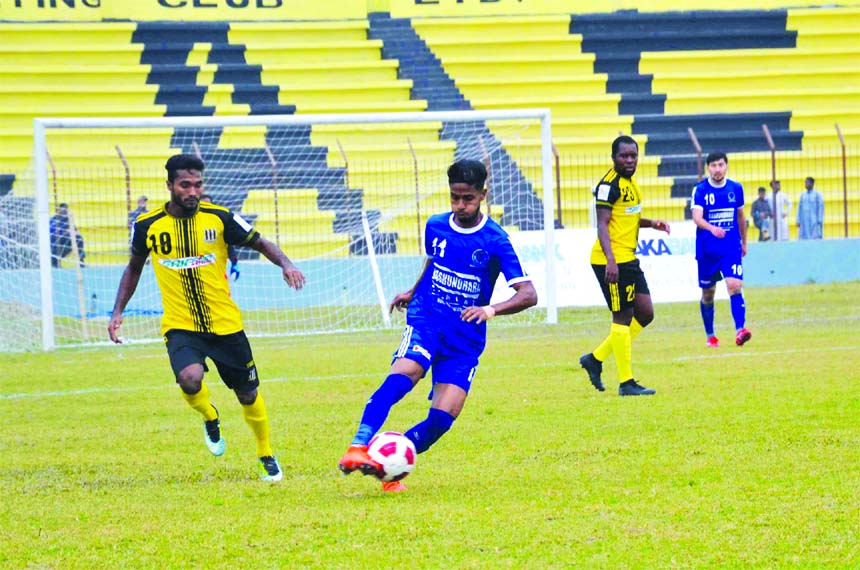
[[762, 215], [61, 239], [810, 212], [781, 205], [141, 209]]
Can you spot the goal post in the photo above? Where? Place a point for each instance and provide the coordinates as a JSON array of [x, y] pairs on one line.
[[343, 194]]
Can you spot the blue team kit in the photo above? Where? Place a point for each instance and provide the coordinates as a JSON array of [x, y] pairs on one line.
[[719, 257], [465, 263]]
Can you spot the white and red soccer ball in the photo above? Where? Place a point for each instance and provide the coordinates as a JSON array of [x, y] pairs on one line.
[[394, 452]]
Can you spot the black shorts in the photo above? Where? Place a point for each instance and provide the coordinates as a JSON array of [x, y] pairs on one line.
[[631, 282], [231, 354]]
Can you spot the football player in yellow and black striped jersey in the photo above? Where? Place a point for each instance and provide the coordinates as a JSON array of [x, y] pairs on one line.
[[188, 243], [618, 201]]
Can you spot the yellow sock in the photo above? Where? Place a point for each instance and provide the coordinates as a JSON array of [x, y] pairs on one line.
[[620, 335], [603, 351], [635, 329], [200, 402], [258, 419]]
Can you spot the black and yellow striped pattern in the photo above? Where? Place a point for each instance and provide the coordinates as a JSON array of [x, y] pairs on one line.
[[190, 258]]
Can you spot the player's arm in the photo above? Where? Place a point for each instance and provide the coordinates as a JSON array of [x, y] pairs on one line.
[[742, 228], [658, 225], [273, 253], [127, 287], [699, 220], [603, 217], [402, 300], [525, 297]]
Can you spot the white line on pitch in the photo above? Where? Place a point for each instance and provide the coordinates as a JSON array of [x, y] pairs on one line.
[[739, 354]]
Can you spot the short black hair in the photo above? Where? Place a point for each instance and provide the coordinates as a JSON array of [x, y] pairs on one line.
[[467, 171], [811, 179], [62, 205], [623, 139], [762, 189], [179, 162], [715, 156]]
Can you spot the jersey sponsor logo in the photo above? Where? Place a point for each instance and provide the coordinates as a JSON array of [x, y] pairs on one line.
[[633, 209], [209, 235], [444, 278], [732, 197], [722, 217], [188, 262], [480, 258], [242, 223], [603, 192]]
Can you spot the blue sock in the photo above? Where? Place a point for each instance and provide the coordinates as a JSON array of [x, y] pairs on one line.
[[391, 391], [739, 310], [430, 430], [708, 317]]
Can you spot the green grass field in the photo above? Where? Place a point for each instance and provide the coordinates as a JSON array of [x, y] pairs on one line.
[[746, 457]]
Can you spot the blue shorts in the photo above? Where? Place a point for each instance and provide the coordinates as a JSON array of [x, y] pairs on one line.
[[713, 268], [450, 361]]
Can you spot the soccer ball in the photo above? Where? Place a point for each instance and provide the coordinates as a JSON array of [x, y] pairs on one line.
[[394, 452]]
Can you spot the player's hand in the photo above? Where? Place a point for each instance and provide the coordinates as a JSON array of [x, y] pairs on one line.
[[234, 270], [660, 225], [294, 277], [400, 302], [478, 315], [113, 328], [611, 272], [718, 232]]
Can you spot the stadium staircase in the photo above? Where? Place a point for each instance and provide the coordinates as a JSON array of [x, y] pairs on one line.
[[534, 61], [794, 71], [521, 206]]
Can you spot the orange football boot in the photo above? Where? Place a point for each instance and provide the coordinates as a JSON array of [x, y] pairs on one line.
[[393, 486], [356, 458]]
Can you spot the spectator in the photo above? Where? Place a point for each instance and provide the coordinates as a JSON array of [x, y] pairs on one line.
[[762, 215], [780, 205], [61, 239], [810, 212], [141, 209]]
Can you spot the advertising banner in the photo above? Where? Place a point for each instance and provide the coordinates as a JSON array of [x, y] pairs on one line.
[[668, 261]]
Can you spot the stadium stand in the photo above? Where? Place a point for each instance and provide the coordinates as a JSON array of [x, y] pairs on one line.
[[793, 70]]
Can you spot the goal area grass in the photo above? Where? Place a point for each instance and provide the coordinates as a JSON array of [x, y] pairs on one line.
[[746, 457]]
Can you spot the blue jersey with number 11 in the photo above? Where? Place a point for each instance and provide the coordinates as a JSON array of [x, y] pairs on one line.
[[720, 208], [462, 273]]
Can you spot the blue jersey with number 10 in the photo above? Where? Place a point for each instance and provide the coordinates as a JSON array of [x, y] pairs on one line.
[[462, 273], [720, 208]]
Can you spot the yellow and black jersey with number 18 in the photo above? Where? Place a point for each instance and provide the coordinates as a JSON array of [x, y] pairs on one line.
[[189, 256], [622, 196]]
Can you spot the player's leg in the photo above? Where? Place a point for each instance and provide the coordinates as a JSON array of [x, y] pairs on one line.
[[592, 361], [635, 299], [733, 271], [411, 361], [235, 361], [187, 354], [453, 372], [709, 274]]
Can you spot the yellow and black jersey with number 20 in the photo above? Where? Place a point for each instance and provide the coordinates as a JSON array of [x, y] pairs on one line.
[[189, 256], [623, 197]]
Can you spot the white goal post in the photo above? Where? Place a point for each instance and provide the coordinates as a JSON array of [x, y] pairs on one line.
[[345, 196]]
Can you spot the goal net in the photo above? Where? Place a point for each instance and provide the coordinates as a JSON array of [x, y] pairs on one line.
[[345, 196]]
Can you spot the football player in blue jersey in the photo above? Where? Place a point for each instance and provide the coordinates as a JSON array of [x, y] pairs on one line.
[[446, 317], [721, 243]]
